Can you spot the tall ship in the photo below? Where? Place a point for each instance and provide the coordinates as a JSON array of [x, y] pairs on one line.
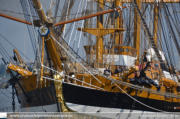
[[96, 56]]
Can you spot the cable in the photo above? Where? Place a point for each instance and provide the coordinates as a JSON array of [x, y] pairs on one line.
[[14, 46], [4, 51], [76, 60], [74, 23], [114, 83], [3, 55], [70, 77], [5, 94], [143, 103], [8, 91], [81, 28]]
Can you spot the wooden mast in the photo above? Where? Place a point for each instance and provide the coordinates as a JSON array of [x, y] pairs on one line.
[[155, 23], [89, 16], [137, 29], [48, 40], [147, 1], [42, 61], [15, 19], [119, 24], [99, 39]]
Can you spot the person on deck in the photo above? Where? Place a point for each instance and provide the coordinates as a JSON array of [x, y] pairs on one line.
[[117, 70], [107, 72]]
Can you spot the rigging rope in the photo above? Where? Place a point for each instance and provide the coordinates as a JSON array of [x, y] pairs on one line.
[[74, 24], [4, 51], [171, 29], [76, 59], [168, 48], [75, 84], [70, 77], [33, 29], [101, 88], [150, 38], [14, 46], [81, 28], [4, 55], [5, 94], [141, 102], [24, 6]]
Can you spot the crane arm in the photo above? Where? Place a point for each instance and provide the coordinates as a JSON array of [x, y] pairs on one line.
[[17, 69], [21, 61]]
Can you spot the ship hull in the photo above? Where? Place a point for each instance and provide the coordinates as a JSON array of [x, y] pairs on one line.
[[90, 97], [75, 95], [44, 108]]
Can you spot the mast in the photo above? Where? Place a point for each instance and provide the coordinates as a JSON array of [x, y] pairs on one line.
[[42, 61], [99, 31], [50, 44], [155, 23], [89, 16], [15, 19], [137, 29], [119, 23], [150, 38], [99, 38]]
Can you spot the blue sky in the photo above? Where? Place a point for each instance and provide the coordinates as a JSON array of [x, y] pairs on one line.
[[18, 35]]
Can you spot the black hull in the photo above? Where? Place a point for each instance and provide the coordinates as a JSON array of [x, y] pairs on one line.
[[39, 97], [90, 97], [84, 96]]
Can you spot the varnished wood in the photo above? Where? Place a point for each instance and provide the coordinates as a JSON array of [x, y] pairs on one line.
[[137, 29], [147, 1], [89, 16], [155, 29], [15, 19], [42, 60]]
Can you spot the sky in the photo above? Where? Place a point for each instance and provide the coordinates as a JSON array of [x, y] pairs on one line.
[[18, 35]]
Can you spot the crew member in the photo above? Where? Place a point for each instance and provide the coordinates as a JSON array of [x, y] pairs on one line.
[[117, 70], [107, 72]]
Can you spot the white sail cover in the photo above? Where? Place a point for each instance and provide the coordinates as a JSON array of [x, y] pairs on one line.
[[151, 55]]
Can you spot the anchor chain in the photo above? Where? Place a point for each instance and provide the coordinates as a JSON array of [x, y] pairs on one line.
[[13, 97]]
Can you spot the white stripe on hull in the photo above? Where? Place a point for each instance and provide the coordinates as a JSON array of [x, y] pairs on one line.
[[117, 112], [46, 108]]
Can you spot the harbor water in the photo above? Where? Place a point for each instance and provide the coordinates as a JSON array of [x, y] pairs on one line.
[[6, 100]]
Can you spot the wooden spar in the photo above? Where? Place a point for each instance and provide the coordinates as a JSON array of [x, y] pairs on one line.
[[89, 16], [51, 46], [15, 19], [155, 24], [19, 57], [137, 29], [42, 60], [119, 24], [99, 39], [147, 1]]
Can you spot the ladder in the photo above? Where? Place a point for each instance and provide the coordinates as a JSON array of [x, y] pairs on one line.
[[150, 38]]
